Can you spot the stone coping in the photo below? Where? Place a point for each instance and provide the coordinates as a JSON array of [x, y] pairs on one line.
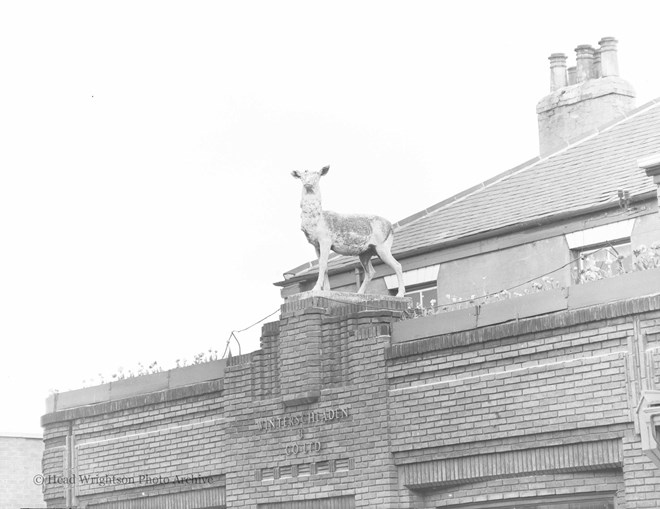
[[353, 302], [137, 386], [546, 303], [531, 325], [346, 297], [137, 401]]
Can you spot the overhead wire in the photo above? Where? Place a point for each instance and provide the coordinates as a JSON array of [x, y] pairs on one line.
[[233, 333], [367, 306], [541, 276]]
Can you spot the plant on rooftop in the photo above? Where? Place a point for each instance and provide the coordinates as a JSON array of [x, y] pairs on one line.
[[643, 259], [121, 374], [543, 284]]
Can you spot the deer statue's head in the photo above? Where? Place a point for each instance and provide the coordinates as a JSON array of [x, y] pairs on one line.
[[310, 179]]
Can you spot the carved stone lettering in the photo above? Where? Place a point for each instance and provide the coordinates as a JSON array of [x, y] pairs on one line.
[[301, 419]]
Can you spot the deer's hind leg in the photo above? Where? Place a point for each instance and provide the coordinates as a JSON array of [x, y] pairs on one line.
[[384, 253], [369, 271]]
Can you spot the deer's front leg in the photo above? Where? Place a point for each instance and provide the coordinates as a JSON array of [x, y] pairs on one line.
[[323, 251]]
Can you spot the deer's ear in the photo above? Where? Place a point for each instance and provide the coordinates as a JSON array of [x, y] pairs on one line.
[[295, 174], [325, 170]]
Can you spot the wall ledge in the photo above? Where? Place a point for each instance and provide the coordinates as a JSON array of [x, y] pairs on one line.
[[137, 386], [133, 402]]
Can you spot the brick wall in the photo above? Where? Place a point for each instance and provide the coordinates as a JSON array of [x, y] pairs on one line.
[[330, 414], [475, 413], [20, 462]]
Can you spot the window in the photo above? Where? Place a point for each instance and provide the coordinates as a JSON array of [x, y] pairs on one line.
[[421, 285], [598, 262], [602, 251], [422, 296]]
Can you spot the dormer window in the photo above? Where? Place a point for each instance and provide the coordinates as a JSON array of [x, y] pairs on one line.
[[421, 286], [423, 295], [606, 260], [603, 251]]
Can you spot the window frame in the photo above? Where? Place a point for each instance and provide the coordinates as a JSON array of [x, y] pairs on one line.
[[420, 289], [578, 255]]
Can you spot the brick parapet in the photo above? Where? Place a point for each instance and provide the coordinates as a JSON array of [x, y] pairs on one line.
[[270, 329], [135, 402], [527, 326]]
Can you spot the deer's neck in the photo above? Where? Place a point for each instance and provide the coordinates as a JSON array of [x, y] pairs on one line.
[[310, 205]]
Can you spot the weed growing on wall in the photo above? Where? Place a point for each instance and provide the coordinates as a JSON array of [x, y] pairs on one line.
[[149, 369], [643, 258], [543, 284]]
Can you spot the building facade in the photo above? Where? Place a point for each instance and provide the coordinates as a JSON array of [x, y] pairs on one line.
[[525, 376], [20, 462]]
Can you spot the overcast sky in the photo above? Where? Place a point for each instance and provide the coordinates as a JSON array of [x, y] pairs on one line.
[[146, 202]]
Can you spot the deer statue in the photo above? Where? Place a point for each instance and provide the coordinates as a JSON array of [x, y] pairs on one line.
[[345, 234]]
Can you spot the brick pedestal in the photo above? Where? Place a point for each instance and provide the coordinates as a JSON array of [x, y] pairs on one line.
[[302, 332]]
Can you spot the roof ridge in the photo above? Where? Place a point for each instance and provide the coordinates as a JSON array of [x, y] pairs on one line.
[[526, 165]]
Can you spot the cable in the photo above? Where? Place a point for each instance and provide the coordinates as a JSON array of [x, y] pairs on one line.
[[233, 333], [257, 323], [368, 306], [517, 285]]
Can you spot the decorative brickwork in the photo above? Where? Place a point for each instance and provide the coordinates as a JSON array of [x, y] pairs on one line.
[[331, 414]]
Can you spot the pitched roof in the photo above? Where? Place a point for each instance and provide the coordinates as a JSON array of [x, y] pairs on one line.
[[585, 174]]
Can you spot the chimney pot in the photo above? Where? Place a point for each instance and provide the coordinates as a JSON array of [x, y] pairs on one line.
[[585, 61], [609, 60], [558, 77], [572, 75], [596, 67]]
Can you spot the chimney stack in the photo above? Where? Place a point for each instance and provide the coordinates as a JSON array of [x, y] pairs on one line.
[[584, 97]]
